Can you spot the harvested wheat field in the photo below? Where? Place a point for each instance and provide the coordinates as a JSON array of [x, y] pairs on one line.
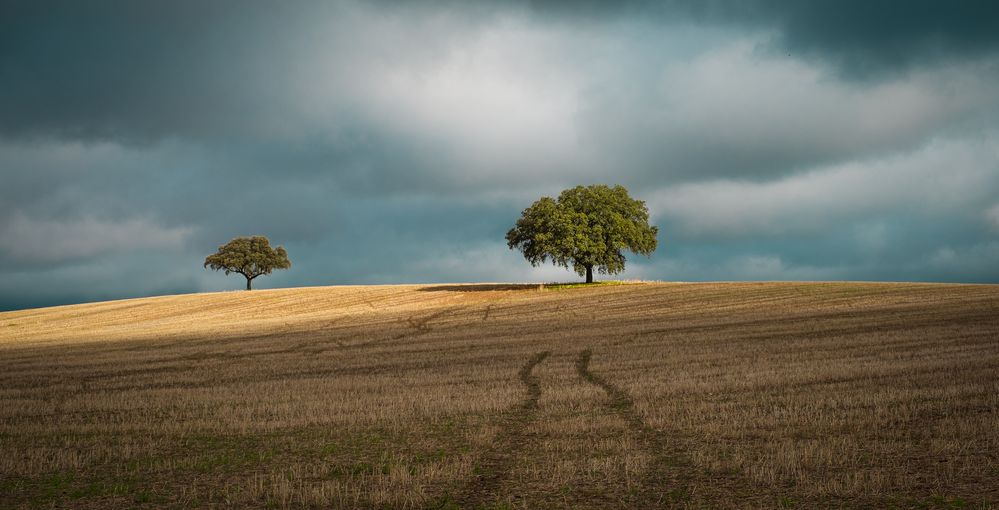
[[643, 395]]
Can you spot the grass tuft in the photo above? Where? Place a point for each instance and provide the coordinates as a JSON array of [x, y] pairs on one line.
[[580, 285]]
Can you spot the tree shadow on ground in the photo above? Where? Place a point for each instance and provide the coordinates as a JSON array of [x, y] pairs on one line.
[[481, 287]]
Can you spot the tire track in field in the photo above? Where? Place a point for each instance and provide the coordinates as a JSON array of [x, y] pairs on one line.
[[661, 485], [671, 478], [418, 326], [495, 464], [420, 323]]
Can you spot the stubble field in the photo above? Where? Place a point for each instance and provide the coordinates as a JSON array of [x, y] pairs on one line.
[[641, 395]]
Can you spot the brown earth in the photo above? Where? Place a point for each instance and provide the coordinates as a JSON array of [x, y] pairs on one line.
[[645, 395]]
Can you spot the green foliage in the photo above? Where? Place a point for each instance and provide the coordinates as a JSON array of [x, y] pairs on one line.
[[248, 256], [586, 227]]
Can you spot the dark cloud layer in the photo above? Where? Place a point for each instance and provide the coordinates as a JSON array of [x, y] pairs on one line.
[[863, 38], [136, 71], [872, 37], [397, 142], [139, 70]]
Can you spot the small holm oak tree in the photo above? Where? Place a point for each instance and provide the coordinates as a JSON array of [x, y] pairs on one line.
[[586, 227], [248, 256]]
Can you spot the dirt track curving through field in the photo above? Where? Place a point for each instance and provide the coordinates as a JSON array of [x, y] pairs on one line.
[[668, 479], [495, 464], [658, 487]]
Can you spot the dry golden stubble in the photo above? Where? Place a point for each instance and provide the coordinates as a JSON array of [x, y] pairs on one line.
[[755, 394]]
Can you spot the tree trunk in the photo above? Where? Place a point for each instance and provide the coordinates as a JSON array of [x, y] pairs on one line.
[[248, 280], [589, 274]]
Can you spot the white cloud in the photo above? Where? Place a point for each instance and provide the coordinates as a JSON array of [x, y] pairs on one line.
[[992, 216], [941, 177], [757, 267], [743, 267], [737, 112], [944, 256], [487, 99], [744, 97], [493, 261], [53, 241], [965, 262], [487, 262], [872, 238]]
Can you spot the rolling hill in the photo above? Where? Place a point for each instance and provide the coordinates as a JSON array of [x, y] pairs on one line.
[[637, 395]]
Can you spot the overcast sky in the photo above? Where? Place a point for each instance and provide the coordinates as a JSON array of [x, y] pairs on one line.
[[775, 140]]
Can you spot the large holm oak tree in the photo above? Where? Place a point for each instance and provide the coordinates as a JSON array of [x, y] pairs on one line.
[[248, 256], [586, 227]]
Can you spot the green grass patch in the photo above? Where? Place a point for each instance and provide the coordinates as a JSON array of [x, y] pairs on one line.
[[47, 490], [55, 484], [786, 502], [500, 505], [581, 285], [940, 501]]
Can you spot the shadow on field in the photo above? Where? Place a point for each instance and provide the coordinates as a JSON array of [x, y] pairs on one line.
[[481, 287]]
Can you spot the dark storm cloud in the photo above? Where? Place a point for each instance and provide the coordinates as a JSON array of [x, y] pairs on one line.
[[138, 71], [863, 38], [144, 70], [869, 37]]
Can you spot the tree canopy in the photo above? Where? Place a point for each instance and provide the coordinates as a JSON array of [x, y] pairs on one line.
[[586, 227], [248, 256]]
